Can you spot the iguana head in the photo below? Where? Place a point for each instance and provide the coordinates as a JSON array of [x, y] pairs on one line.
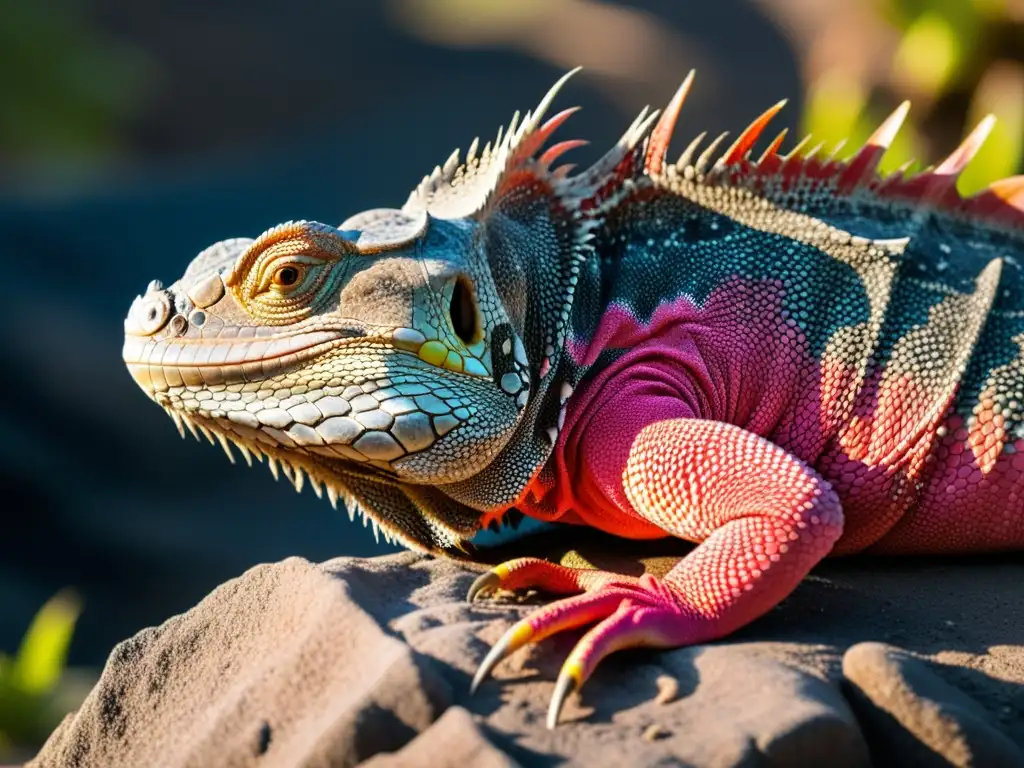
[[380, 343], [391, 359]]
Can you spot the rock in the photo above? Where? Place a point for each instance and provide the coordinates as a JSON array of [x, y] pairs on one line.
[[277, 667], [369, 661], [913, 717], [454, 741], [752, 709]]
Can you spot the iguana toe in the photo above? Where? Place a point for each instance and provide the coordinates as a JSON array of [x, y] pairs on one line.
[[535, 573]]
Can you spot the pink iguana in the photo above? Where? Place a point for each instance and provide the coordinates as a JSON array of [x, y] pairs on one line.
[[781, 359]]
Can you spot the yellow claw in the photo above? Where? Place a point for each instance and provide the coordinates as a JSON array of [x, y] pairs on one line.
[[488, 582], [519, 635], [570, 678]]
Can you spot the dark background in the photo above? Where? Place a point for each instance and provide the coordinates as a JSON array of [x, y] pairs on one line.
[[134, 134]]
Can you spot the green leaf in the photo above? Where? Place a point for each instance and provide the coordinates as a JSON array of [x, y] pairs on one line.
[[930, 53], [837, 111], [41, 657], [1001, 93]]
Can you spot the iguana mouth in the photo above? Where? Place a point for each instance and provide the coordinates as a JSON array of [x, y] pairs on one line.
[[159, 364]]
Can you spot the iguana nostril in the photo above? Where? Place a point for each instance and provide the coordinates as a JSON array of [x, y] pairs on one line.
[[178, 325]]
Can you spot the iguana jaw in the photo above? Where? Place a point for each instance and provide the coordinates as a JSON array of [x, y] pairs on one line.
[[379, 429]]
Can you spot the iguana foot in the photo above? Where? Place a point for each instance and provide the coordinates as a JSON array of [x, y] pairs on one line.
[[629, 612]]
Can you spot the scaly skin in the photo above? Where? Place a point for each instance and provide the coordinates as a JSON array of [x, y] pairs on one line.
[[777, 359]]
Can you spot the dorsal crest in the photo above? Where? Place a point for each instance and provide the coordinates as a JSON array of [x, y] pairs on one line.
[[470, 188], [460, 190]]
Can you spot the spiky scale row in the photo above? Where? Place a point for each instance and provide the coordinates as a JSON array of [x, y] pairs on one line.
[[1001, 203], [657, 144]]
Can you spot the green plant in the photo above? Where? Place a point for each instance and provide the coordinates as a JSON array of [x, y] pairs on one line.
[[957, 60], [30, 705], [68, 88]]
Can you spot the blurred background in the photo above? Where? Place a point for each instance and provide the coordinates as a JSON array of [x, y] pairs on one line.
[[133, 134]]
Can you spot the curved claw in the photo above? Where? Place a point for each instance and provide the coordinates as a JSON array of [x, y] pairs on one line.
[[568, 681], [517, 636], [558, 616], [485, 584]]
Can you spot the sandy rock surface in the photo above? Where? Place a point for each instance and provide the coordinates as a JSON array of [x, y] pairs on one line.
[[369, 661]]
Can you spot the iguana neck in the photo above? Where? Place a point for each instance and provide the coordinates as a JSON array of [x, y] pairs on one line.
[[538, 286]]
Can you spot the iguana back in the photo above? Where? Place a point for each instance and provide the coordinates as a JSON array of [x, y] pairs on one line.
[[869, 326]]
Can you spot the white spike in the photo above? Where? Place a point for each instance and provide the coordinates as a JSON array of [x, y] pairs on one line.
[[633, 126], [687, 157], [299, 480], [226, 446], [450, 165], [192, 428], [894, 245], [597, 173], [332, 495], [207, 434], [177, 421], [549, 97], [246, 454], [314, 483], [524, 127], [814, 150], [351, 508], [376, 531], [641, 130], [363, 513], [272, 465], [705, 156], [287, 470], [797, 150], [836, 151], [510, 134], [471, 152]]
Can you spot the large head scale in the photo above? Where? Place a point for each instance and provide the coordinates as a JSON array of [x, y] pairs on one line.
[[390, 359]]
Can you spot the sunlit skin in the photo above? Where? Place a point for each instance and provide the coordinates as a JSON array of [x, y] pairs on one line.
[[778, 359]]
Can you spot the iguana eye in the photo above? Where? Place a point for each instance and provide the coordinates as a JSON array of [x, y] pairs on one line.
[[286, 277]]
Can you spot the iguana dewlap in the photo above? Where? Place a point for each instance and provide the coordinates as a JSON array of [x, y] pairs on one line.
[[778, 358]]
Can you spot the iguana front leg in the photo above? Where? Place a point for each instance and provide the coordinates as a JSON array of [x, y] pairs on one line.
[[763, 517]]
